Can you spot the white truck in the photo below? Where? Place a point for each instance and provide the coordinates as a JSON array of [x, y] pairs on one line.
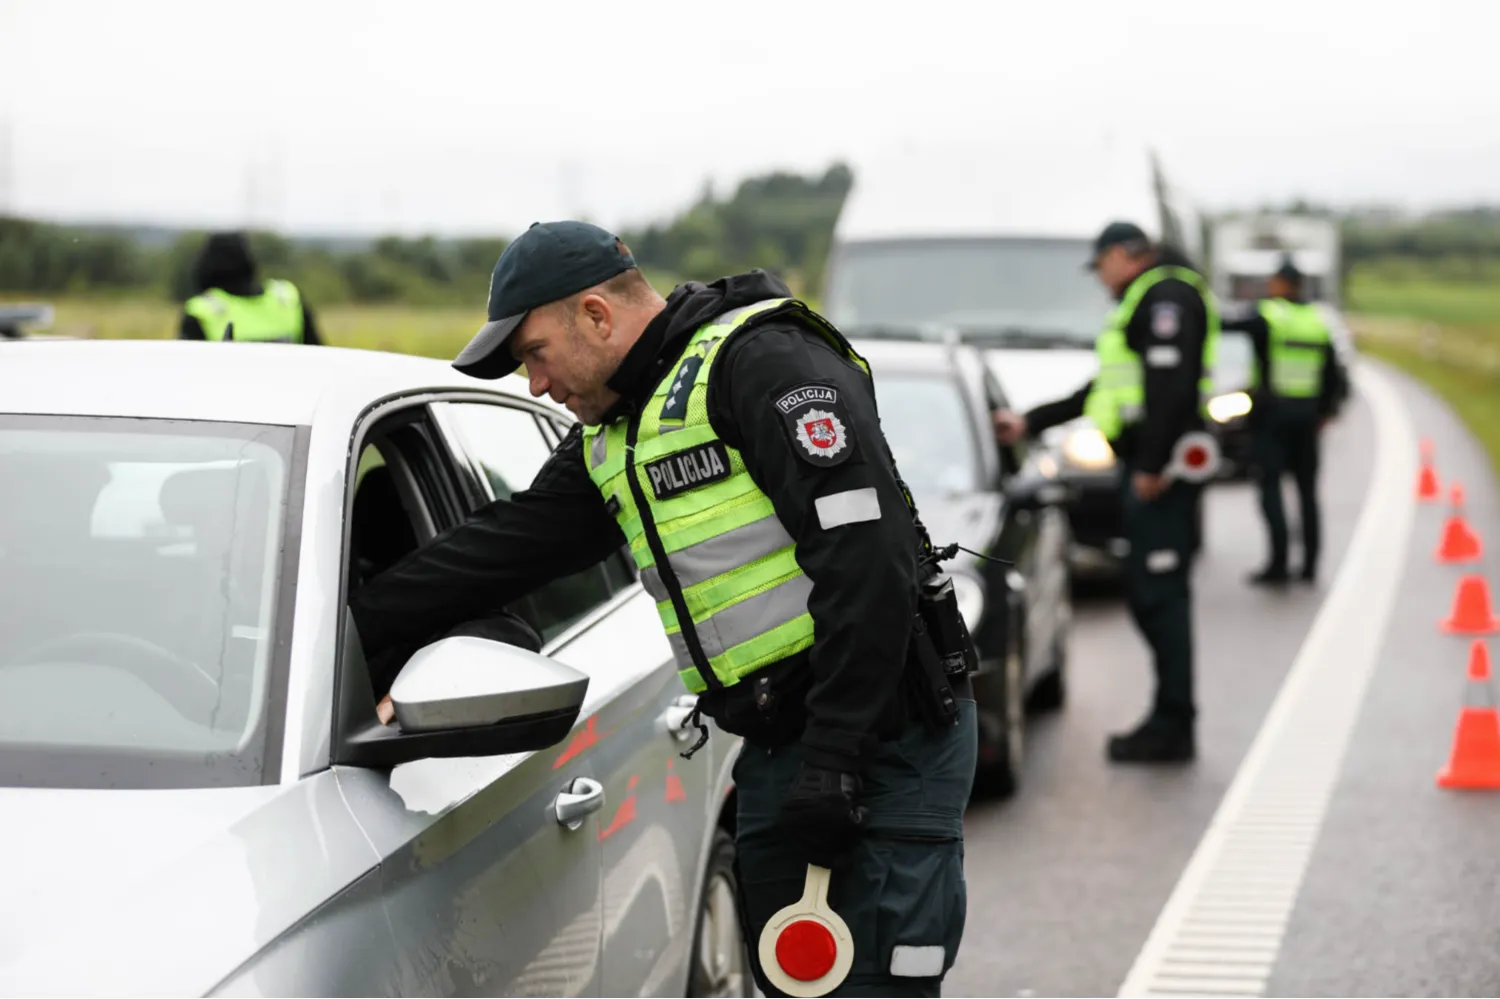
[[1247, 250]]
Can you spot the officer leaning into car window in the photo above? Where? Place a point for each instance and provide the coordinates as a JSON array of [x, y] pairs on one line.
[[1298, 385], [231, 302], [729, 435], [1155, 366]]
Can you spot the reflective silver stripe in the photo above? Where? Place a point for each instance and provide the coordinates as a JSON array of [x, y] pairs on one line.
[[1163, 356], [717, 555], [746, 619], [598, 449]]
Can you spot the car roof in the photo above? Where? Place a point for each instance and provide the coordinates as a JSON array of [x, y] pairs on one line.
[[269, 383], [925, 357]]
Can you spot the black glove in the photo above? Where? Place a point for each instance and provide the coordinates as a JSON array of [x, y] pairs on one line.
[[820, 815]]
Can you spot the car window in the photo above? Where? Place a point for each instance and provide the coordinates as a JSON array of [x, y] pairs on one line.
[[139, 575], [928, 427], [509, 447]]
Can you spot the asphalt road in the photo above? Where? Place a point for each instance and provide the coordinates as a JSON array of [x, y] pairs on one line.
[[1401, 890]]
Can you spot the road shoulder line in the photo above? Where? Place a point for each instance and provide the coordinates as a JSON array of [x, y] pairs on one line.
[[1267, 824]]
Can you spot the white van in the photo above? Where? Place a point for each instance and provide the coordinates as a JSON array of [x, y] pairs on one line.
[[991, 246]]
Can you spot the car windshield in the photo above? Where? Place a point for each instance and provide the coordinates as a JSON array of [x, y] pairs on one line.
[[139, 564], [928, 427], [1013, 292]]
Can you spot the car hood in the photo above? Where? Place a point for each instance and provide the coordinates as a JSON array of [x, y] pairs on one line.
[[1033, 377], [162, 892], [969, 519]]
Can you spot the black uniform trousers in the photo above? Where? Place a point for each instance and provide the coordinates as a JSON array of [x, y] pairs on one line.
[[901, 890], [1286, 442], [1162, 535]]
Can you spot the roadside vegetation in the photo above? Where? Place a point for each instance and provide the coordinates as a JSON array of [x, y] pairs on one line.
[[1422, 291], [1440, 322]]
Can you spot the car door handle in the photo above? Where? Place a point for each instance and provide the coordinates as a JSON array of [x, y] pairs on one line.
[[582, 798], [678, 714]]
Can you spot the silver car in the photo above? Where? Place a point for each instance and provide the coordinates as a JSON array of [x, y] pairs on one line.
[[196, 795]]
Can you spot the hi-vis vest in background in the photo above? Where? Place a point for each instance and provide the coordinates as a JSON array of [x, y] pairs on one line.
[[273, 315], [1118, 397], [1298, 344]]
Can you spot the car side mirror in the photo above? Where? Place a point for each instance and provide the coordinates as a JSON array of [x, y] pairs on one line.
[[468, 696], [1033, 492]]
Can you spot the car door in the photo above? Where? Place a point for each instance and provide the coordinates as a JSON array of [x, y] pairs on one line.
[[1039, 539], [485, 889], [654, 826]]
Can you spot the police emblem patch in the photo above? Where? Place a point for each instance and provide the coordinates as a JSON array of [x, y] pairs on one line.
[[1166, 317], [817, 424], [821, 433]]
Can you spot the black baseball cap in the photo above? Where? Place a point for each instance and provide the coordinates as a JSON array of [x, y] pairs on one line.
[[547, 262], [1115, 234], [1288, 270]]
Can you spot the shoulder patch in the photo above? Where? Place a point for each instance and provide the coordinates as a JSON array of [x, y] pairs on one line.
[[818, 424], [1166, 319], [688, 469], [803, 394]]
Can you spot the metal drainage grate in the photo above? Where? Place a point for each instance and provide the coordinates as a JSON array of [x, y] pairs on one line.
[[1221, 929]]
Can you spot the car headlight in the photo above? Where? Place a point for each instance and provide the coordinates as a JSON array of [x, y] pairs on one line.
[[968, 592], [1223, 408], [1086, 447]]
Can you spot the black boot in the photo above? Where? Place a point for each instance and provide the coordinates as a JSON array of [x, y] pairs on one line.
[[1154, 741], [1271, 575]]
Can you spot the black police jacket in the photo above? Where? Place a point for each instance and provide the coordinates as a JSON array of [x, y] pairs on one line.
[[865, 574]]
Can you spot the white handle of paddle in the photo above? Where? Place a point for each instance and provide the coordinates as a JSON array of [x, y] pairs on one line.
[[811, 907]]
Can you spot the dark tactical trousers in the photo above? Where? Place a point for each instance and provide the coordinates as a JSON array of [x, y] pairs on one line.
[[1288, 444], [902, 888], [1159, 590]]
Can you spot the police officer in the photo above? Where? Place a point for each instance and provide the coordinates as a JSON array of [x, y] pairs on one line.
[[1298, 386], [230, 302], [729, 435], [1155, 363]]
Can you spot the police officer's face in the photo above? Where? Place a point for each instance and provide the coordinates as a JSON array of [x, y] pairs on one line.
[[1113, 269], [570, 350]]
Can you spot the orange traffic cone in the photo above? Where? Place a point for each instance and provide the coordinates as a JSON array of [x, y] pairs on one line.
[[1475, 758], [1460, 543], [1471, 609], [1427, 480]]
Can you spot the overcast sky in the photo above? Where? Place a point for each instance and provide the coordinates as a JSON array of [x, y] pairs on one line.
[[475, 117]]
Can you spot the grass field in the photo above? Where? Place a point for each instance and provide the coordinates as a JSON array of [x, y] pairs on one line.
[[1440, 324]]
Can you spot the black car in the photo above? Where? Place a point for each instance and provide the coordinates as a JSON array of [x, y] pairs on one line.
[[936, 401]]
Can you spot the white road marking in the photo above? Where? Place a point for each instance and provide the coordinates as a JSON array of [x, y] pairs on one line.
[[1241, 884]]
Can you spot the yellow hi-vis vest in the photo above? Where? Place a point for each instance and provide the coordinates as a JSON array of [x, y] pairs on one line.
[[1298, 343], [273, 315], [1118, 397], [733, 598]]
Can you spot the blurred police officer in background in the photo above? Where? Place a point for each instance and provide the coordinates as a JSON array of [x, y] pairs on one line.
[[1155, 367], [1298, 385], [230, 302], [729, 435]]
